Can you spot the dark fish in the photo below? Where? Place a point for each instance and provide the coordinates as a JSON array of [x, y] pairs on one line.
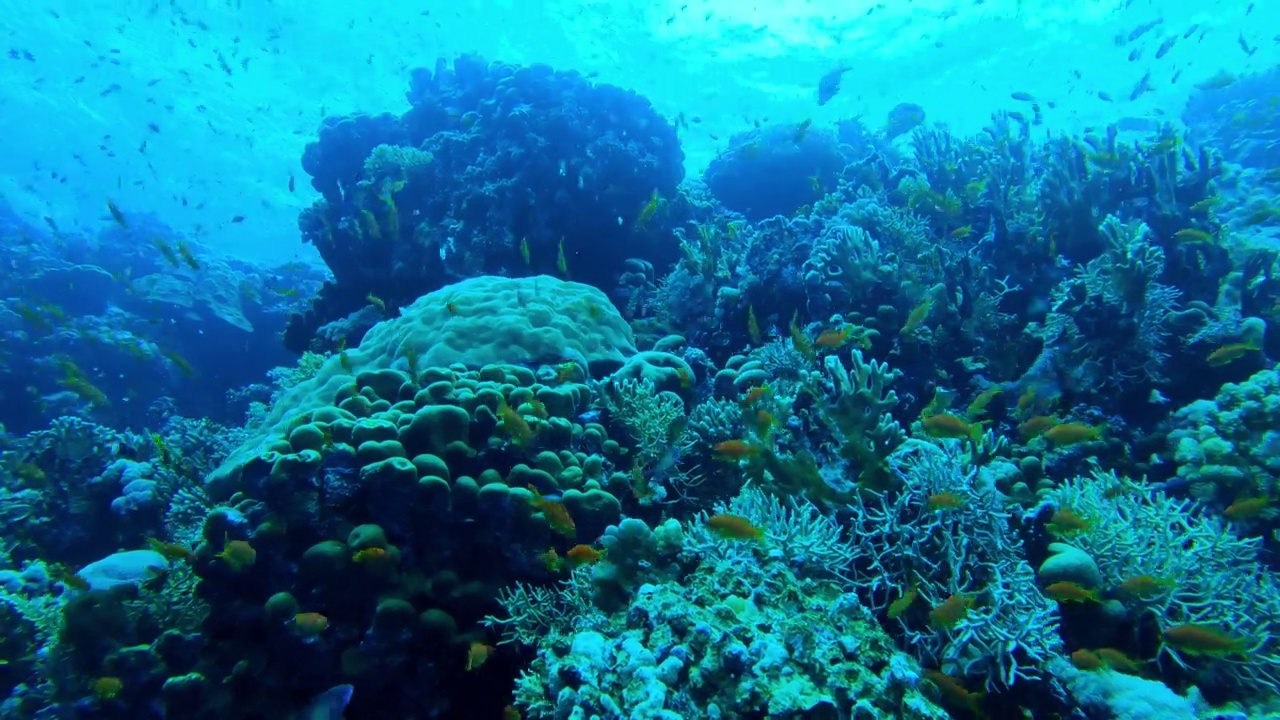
[[328, 705], [237, 219], [1166, 46], [1021, 96], [1144, 28], [829, 85]]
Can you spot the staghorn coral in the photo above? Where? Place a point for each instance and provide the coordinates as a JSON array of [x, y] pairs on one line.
[[748, 631], [1214, 577], [1011, 630], [1108, 322], [858, 414], [648, 415]]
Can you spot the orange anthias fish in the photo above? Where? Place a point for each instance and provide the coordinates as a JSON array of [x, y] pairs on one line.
[[552, 561], [556, 514], [1086, 659], [1072, 433], [735, 450], [238, 554], [310, 623], [1230, 353], [734, 527], [106, 688], [946, 425], [899, 606], [1065, 521], [171, 551], [955, 694], [684, 377], [579, 555], [478, 654], [1246, 508], [374, 558], [945, 501], [1036, 426], [951, 611], [1118, 661], [1068, 591], [754, 395], [832, 338], [917, 316], [1144, 586], [514, 425], [1197, 639]]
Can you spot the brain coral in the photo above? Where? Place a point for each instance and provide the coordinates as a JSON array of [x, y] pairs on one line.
[[476, 322]]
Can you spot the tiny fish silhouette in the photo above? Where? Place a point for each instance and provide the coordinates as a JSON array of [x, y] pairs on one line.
[[829, 85]]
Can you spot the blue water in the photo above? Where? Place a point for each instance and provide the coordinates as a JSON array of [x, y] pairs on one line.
[[339, 342]]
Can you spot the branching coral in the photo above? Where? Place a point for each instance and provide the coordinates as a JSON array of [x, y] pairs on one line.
[[968, 550], [792, 530], [747, 631], [1108, 321], [650, 416], [858, 413], [1213, 577]]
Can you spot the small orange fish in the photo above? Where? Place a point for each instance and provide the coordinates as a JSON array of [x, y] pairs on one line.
[[951, 611], [754, 395], [106, 688], [1118, 661], [765, 421], [566, 372], [899, 606], [238, 554], [1068, 591], [1230, 353], [978, 407], [552, 561], [478, 654], [955, 694], [556, 514], [1072, 433], [1036, 426], [310, 623], [1246, 508], [1193, 235], [1144, 586], [171, 551], [946, 425], [1086, 659], [1197, 639], [1065, 521], [734, 527], [917, 316], [945, 501], [736, 450], [583, 555], [373, 557], [832, 338], [685, 378], [451, 308], [517, 427]]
